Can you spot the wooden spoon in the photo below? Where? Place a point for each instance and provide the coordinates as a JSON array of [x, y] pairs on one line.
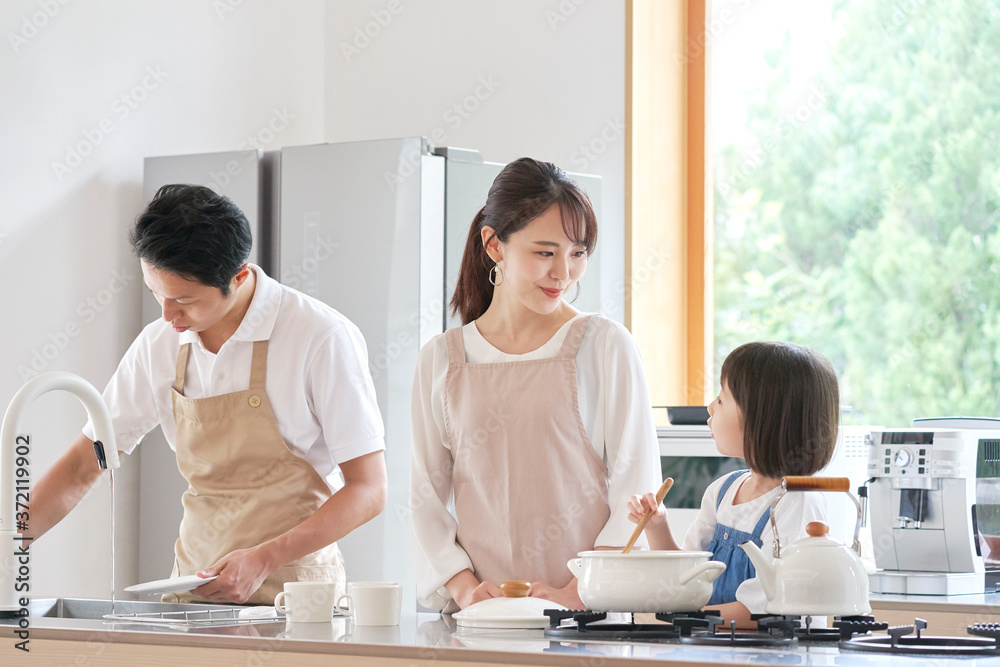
[[660, 495]]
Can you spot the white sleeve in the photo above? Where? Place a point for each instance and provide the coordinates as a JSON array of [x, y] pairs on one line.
[[438, 556], [794, 512], [130, 398], [341, 395], [700, 532], [630, 445]]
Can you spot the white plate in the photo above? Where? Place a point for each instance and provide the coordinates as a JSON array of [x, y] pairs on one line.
[[175, 585]]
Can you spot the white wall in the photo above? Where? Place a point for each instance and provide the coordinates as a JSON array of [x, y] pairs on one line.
[[538, 78], [196, 78]]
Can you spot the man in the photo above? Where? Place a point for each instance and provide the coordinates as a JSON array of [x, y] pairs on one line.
[[264, 394]]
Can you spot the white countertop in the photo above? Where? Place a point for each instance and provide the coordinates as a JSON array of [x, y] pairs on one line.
[[433, 637]]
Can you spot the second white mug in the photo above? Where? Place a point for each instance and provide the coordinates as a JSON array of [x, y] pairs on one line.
[[371, 602]]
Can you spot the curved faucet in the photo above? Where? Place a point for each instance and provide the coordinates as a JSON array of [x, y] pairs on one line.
[[105, 447]]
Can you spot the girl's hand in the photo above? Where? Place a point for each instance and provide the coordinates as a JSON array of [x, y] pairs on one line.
[[639, 505]]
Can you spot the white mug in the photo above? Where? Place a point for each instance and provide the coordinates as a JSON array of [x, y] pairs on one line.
[[372, 602], [306, 601]]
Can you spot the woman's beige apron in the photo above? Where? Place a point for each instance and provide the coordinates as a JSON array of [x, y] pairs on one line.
[[530, 491], [244, 485]]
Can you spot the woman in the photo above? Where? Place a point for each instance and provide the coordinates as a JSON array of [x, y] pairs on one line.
[[535, 418]]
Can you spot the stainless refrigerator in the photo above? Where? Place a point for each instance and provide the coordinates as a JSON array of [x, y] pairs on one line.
[[376, 229]]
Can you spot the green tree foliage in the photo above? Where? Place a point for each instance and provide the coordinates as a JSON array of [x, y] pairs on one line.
[[864, 222]]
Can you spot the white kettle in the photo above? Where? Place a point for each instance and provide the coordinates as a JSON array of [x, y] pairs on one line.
[[818, 575]]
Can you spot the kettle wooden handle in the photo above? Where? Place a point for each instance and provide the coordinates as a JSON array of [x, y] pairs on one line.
[[804, 483]]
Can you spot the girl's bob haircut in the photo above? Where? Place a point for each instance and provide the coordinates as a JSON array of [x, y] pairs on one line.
[[790, 403]]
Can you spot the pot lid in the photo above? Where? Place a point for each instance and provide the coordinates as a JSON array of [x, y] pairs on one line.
[[507, 611]]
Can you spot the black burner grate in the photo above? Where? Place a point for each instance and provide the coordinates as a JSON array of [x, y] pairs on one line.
[[844, 627], [590, 625], [898, 640]]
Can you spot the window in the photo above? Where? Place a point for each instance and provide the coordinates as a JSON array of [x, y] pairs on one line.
[[856, 181]]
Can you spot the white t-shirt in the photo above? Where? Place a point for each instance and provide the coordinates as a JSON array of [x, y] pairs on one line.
[[793, 513], [318, 382], [616, 410]]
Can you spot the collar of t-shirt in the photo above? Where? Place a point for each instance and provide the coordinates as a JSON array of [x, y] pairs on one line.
[[751, 508], [478, 350], [258, 323]]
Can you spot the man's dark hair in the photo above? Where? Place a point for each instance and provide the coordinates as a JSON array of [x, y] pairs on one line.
[[191, 231]]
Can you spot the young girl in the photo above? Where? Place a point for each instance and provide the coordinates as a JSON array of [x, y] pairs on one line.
[[533, 418], [778, 408]]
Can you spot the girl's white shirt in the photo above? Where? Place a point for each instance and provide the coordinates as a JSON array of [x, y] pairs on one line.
[[614, 404], [793, 513]]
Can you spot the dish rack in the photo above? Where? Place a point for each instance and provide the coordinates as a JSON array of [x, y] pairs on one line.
[[193, 619]]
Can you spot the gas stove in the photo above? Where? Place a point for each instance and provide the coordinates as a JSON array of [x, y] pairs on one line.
[[853, 633]]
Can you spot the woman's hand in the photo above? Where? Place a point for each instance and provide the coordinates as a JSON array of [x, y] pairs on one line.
[[566, 596], [639, 505], [465, 589], [483, 591]]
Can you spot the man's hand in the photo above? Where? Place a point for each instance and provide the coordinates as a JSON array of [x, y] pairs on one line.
[[241, 572], [566, 596], [362, 497]]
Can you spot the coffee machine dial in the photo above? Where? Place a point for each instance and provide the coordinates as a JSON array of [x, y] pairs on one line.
[[903, 458]]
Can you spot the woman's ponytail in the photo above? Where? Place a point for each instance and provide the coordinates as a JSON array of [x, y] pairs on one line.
[[473, 291]]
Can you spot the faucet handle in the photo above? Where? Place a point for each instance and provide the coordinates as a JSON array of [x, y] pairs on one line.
[[102, 460]]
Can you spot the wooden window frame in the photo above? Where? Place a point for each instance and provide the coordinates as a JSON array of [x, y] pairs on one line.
[[668, 207]]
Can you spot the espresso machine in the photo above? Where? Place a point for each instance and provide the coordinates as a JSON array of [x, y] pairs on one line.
[[922, 506]]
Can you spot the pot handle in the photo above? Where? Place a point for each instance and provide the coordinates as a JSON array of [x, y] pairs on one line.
[[575, 566], [713, 567]]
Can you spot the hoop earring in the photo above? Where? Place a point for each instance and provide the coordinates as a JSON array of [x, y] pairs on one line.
[[493, 274], [577, 295]]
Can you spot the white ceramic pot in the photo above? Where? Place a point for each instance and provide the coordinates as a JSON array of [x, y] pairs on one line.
[[645, 581]]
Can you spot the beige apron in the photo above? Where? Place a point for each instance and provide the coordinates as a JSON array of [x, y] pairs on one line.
[[244, 485], [530, 491]]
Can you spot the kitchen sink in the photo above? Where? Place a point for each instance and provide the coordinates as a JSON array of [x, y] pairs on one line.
[[96, 609], [152, 614]]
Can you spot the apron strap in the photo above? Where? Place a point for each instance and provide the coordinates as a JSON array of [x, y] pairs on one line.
[[572, 341], [456, 345], [725, 486], [759, 529], [258, 365], [182, 358]]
